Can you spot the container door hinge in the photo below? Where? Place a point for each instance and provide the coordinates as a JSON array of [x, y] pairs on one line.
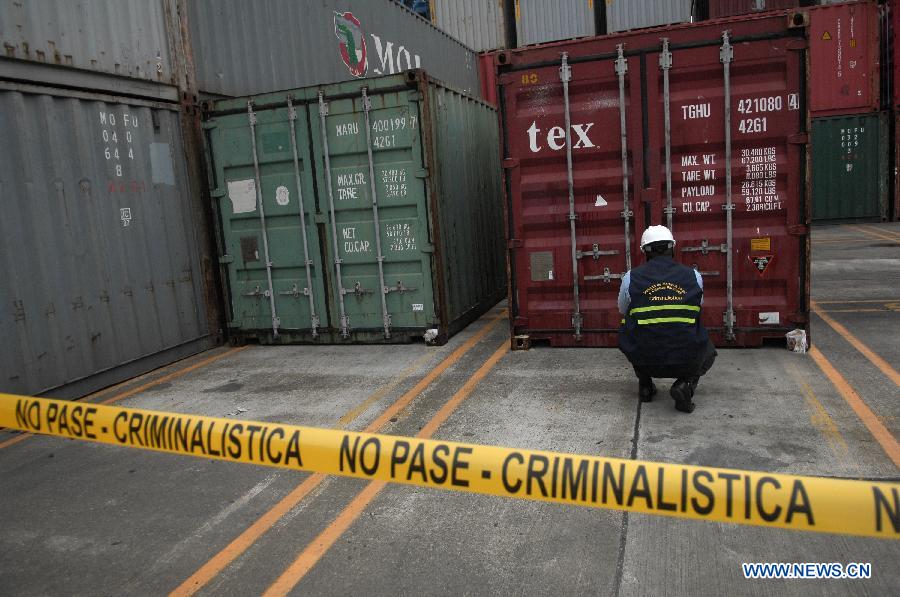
[[427, 248], [223, 259], [520, 322], [217, 193], [510, 163], [421, 173], [209, 125], [515, 243], [415, 96], [798, 138], [798, 230]]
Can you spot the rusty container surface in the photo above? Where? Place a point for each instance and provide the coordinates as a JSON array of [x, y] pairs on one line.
[[844, 59], [605, 136]]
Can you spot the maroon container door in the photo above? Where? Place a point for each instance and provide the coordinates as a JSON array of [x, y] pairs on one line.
[[544, 299], [767, 120], [755, 268], [844, 59]]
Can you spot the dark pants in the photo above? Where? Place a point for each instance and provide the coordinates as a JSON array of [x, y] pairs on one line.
[[690, 371]]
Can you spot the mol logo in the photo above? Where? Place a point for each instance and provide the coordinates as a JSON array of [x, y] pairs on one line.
[[390, 58], [348, 30], [555, 137]]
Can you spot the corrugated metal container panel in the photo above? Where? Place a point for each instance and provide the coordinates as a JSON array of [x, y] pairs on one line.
[[538, 21], [424, 252], [850, 167], [479, 24], [125, 37], [728, 8], [844, 59], [98, 255], [571, 242], [628, 14], [246, 48]]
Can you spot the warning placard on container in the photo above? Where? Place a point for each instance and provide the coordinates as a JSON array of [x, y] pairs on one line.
[[761, 244]]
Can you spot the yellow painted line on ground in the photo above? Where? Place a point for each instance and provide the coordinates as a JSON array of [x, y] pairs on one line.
[[819, 416], [842, 241], [876, 360], [885, 310], [251, 534], [881, 434], [137, 390], [874, 233], [319, 546]]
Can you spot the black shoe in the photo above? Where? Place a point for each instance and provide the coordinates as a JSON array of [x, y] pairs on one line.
[[682, 391], [646, 391]]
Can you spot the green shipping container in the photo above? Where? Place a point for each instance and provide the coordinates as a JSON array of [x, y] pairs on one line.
[[365, 211], [850, 161]]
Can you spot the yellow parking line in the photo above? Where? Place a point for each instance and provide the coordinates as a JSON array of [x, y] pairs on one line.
[[319, 546], [251, 534], [887, 441], [874, 233], [819, 416], [876, 360]]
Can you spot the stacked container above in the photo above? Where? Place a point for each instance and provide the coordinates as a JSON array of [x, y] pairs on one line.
[[699, 127], [366, 211]]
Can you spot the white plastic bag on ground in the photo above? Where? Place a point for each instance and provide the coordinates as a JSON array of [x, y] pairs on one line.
[[796, 341]]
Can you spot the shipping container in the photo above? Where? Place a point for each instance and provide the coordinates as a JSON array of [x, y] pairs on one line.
[[125, 37], [844, 59], [478, 24], [850, 167], [893, 17], [699, 127], [538, 21], [365, 211], [100, 242], [730, 8], [246, 48], [622, 15]]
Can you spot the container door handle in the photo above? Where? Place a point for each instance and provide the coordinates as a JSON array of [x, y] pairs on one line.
[[665, 63]]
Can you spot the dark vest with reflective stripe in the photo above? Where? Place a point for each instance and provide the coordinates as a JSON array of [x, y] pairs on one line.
[[662, 326]]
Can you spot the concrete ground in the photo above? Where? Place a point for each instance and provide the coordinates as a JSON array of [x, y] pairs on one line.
[[89, 519]]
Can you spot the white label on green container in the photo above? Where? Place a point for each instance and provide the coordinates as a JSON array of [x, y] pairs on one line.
[[243, 195]]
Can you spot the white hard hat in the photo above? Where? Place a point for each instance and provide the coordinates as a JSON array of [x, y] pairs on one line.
[[655, 234]]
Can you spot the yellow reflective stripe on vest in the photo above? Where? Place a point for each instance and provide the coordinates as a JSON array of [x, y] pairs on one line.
[[664, 308], [666, 320]]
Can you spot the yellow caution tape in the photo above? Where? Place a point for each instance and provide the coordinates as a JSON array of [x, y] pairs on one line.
[[823, 505]]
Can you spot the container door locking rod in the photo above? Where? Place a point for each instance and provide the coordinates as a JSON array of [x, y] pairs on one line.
[[385, 316], [621, 69], [251, 116], [314, 319], [665, 63], [565, 75], [726, 55], [345, 321]]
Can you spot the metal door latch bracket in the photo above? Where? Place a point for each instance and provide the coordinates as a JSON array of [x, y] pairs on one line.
[[398, 288], [295, 292], [607, 276], [595, 252], [257, 293], [357, 289], [705, 248]]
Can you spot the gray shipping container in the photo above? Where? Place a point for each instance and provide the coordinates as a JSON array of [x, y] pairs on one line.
[[246, 48], [100, 242], [120, 37], [539, 21], [622, 15], [479, 24]]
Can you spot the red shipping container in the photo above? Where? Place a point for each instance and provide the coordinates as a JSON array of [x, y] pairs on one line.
[[591, 160], [730, 8], [844, 59]]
